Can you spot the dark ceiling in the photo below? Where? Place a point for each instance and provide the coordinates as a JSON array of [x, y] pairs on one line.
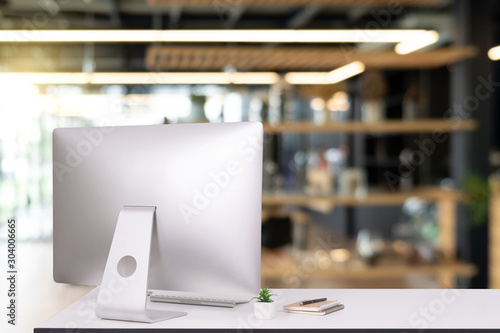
[[192, 14]]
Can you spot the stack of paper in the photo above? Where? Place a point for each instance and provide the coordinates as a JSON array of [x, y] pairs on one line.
[[318, 308]]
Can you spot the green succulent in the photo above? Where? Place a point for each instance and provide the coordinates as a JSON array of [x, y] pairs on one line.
[[264, 295]]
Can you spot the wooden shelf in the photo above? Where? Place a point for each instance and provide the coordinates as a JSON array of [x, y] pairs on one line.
[[389, 126], [374, 272], [279, 265], [380, 272], [431, 194]]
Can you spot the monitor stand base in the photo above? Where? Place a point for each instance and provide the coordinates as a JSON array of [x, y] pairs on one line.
[[123, 291]]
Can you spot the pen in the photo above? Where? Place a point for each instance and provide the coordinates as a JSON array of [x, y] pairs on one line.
[[313, 301]]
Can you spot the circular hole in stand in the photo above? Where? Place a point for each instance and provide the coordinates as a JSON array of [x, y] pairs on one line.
[[126, 266]]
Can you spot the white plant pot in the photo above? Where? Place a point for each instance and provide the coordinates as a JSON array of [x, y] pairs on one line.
[[264, 310]]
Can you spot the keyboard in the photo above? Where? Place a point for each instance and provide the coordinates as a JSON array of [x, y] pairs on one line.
[[197, 300]]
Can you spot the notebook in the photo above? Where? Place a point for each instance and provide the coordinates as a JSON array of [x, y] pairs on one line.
[[320, 313], [319, 306]]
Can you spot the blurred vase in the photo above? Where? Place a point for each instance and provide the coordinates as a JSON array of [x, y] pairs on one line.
[[369, 245], [353, 183], [373, 111]]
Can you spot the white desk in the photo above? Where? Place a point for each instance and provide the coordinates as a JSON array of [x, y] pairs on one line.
[[375, 310]]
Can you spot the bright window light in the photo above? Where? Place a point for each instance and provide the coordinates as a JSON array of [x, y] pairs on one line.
[[243, 36], [494, 53], [176, 106], [420, 41], [233, 105], [213, 107]]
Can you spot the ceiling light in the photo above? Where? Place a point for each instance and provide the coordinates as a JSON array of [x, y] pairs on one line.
[[306, 78], [243, 36], [345, 72], [337, 75], [494, 53], [420, 41], [142, 78]]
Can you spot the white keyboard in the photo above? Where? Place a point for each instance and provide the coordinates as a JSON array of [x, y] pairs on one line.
[[197, 300]]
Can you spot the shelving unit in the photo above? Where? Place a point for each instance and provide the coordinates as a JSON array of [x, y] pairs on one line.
[[445, 200], [284, 58]]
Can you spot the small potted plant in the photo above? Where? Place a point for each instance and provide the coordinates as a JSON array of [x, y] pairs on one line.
[[264, 308]]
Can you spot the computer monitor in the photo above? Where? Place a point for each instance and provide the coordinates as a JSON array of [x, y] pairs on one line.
[[205, 181]]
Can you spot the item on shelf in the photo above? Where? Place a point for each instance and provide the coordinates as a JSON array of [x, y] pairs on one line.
[[447, 184], [257, 109], [323, 259], [339, 105], [374, 88], [299, 231], [264, 308], [298, 166], [337, 160], [319, 179], [411, 103], [418, 229], [279, 98], [373, 111], [353, 183], [270, 172], [340, 255], [494, 178], [406, 179], [370, 245], [319, 112]]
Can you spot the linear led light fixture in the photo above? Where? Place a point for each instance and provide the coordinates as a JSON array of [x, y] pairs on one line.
[[494, 53], [425, 39], [142, 78], [243, 36], [337, 75], [345, 72]]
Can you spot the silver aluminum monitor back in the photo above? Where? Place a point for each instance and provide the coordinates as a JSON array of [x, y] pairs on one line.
[[204, 179]]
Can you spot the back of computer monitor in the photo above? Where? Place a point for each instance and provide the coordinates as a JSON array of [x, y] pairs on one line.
[[205, 181]]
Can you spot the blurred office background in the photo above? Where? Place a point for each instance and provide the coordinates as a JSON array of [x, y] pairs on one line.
[[384, 179]]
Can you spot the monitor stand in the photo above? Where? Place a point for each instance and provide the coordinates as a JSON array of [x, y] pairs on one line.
[[123, 291]]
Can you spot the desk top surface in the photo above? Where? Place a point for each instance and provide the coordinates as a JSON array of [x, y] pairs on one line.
[[364, 309]]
